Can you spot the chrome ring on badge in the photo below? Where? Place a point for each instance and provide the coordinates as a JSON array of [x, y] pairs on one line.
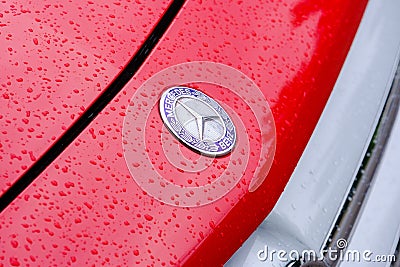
[[166, 103], [198, 121]]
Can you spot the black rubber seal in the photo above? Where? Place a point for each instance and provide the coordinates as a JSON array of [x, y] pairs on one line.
[[95, 108]]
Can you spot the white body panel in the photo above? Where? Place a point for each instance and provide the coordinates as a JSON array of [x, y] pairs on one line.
[[378, 227]]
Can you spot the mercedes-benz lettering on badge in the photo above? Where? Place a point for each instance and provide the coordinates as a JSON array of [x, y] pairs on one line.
[[198, 121]]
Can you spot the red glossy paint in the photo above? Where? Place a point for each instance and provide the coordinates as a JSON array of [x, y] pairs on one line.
[[87, 209], [56, 57]]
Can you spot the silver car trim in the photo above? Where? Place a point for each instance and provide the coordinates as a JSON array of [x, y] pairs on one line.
[[307, 210]]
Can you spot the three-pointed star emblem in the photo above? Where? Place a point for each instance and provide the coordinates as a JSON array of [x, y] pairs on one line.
[[199, 118]]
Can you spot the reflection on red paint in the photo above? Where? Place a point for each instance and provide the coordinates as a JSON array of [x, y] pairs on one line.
[[294, 61]]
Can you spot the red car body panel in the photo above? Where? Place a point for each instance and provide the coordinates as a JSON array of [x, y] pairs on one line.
[[57, 57], [87, 209]]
